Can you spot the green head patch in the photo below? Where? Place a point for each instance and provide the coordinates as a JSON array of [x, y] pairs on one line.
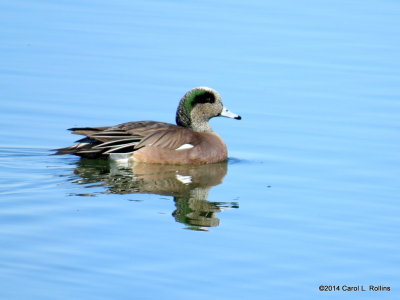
[[189, 101], [197, 97]]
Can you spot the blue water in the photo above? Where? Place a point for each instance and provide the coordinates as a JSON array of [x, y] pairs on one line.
[[309, 196]]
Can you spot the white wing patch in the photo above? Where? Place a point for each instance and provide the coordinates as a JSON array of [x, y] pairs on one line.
[[184, 179], [121, 159], [185, 147], [120, 156]]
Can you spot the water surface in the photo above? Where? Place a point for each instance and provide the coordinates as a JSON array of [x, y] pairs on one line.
[[308, 197]]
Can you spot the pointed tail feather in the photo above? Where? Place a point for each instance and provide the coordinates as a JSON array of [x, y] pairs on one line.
[[81, 149]]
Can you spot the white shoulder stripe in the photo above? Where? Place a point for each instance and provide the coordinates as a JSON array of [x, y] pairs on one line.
[[185, 147], [120, 159], [184, 179]]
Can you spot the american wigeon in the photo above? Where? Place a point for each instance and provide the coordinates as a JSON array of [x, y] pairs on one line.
[[191, 141]]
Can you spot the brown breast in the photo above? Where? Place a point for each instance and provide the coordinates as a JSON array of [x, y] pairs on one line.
[[207, 148]]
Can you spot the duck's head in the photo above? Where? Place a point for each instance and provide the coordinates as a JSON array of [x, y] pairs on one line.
[[198, 106]]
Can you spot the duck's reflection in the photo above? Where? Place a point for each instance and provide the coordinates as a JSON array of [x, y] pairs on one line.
[[187, 184]]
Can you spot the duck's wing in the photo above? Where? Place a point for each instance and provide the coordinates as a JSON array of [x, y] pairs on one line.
[[101, 141], [171, 138]]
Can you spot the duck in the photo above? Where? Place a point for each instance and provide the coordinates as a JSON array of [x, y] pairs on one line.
[[190, 141]]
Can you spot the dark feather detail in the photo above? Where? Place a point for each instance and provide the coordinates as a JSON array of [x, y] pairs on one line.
[[85, 140], [125, 147], [123, 138], [117, 143]]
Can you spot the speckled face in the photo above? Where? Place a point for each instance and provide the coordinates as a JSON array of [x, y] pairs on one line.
[[202, 97], [198, 104], [205, 106]]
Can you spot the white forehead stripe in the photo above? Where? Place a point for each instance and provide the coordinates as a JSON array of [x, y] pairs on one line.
[[185, 147]]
